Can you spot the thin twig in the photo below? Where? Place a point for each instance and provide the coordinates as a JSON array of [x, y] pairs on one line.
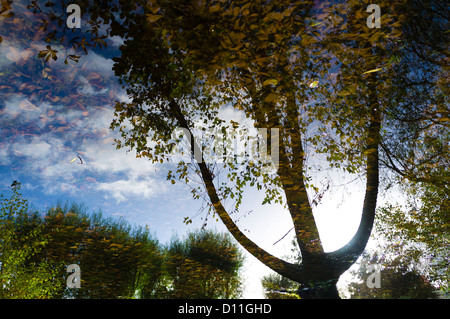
[[283, 236]]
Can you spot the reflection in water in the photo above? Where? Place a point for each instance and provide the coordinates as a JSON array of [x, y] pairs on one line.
[[348, 87], [67, 253]]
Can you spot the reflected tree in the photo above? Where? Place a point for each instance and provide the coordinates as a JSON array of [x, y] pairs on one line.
[[416, 235], [116, 260], [205, 265], [331, 85], [397, 282], [276, 286], [21, 237]]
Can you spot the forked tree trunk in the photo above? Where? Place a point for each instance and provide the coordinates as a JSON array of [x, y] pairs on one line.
[[319, 271]]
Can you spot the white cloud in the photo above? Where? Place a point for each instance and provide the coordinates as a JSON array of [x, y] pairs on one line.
[[116, 173], [61, 133], [13, 53], [4, 156], [123, 189], [125, 174], [88, 89], [44, 155], [228, 112], [18, 106], [16, 55], [36, 149], [116, 41], [98, 63]]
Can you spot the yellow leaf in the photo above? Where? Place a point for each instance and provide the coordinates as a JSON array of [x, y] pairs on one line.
[[371, 71], [214, 8], [270, 81], [314, 84], [274, 16], [271, 97], [73, 160], [153, 17], [155, 10]]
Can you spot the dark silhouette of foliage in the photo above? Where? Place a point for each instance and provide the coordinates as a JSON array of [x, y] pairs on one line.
[[116, 260], [205, 265], [279, 287]]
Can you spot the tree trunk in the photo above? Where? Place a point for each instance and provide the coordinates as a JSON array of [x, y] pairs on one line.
[[319, 271], [319, 290]]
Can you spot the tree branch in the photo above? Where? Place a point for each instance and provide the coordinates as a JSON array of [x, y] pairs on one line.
[[347, 255], [292, 179], [280, 266]]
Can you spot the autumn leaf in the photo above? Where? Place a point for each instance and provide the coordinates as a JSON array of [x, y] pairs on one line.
[[27, 106], [62, 129], [270, 82], [274, 16], [371, 71], [214, 8], [271, 97], [153, 17], [235, 124]]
